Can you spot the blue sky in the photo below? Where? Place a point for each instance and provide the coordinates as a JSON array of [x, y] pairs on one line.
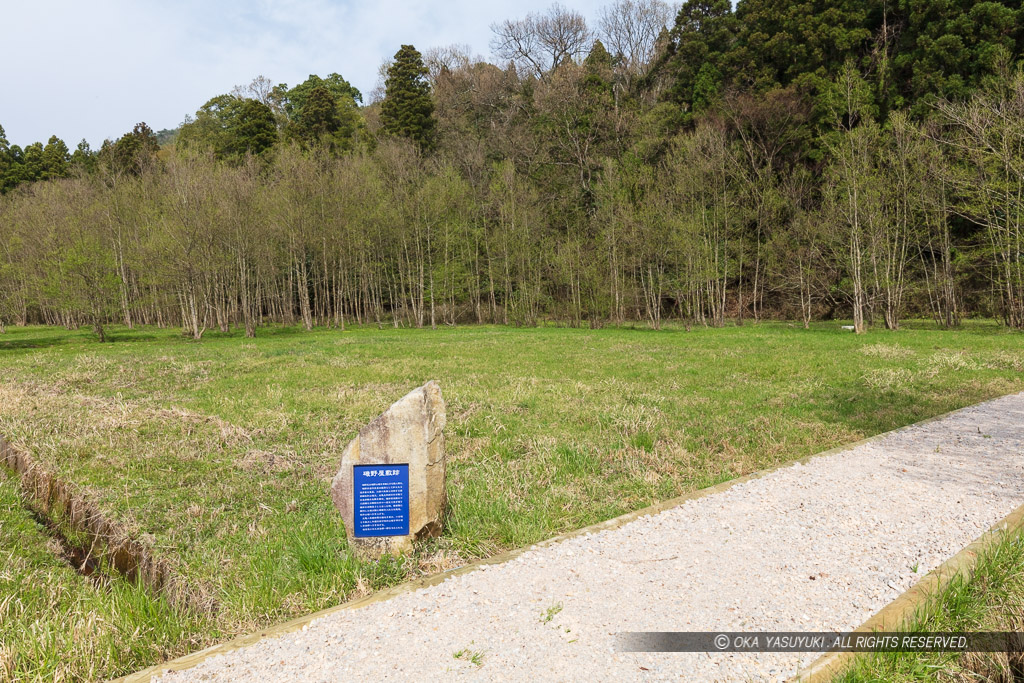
[[93, 69]]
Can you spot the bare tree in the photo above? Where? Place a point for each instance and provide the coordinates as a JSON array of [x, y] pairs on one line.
[[377, 94], [702, 187], [936, 244], [260, 89], [541, 42], [900, 173], [766, 128], [630, 30], [447, 59], [852, 185], [988, 134]]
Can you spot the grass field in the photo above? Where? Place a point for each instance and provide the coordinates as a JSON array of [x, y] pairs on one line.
[[221, 452], [991, 599]]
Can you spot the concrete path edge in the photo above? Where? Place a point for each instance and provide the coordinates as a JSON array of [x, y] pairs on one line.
[[900, 612]]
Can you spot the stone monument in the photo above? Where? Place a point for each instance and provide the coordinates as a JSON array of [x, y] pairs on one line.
[[390, 488]]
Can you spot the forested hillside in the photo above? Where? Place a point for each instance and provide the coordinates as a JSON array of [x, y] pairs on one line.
[[806, 160]]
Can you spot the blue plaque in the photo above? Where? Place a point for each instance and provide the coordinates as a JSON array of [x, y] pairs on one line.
[[380, 500]]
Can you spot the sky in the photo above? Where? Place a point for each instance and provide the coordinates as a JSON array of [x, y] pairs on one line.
[[94, 69]]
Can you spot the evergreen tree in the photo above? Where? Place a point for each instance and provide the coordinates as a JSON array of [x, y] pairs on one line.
[[599, 61], [254, 129], [320, 108], [5, 160], [319, 116], [83, 157], [947, 47], [56, 159], [295, 99], [699, 45], [231, 127], [783, 40], [132, 152], [408, 109], [12, 169], [31, 163]]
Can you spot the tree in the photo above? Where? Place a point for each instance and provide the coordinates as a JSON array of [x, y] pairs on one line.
[[5, 160], [260, 89], [230, 127], [577, 119], [56, 159], [630, 30], [83, 158], [936, 247], [31, 162], [698, 179], [540, 42], [319, 116], [133, 152], [408, 110], [988, 135], [254, 130], [782, 41], [770, 133], [79, 278], [853, 185], [901, 172], [784, 159], [11, 284], [323, 109], [801, 265], [699, 45], [948, 47]]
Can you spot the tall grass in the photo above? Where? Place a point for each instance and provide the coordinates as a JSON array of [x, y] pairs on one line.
[[57, 625]]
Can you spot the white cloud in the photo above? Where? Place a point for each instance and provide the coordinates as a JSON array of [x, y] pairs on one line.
[[93, 69]]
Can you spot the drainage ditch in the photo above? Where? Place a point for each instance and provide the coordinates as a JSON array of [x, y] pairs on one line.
[[89, 541]]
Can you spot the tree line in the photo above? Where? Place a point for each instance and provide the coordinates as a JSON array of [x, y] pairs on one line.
[[811, 160]]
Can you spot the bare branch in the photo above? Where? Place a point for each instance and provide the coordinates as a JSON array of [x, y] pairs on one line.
[[540, 42], [630, 30]]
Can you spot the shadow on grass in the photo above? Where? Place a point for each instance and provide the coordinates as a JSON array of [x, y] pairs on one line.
[[261, 332], [969, 326], [35, 342], [69, 339], [23, 339], [872, 411], [129, 338]]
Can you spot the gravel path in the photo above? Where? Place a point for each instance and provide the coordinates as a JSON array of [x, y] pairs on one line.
[[820, 546]]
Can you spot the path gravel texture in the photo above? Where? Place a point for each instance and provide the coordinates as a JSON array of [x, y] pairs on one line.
[[818, 546]]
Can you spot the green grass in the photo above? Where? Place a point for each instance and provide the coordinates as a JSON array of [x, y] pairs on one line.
[[221, 452], [992, 599], [471, 656], [54, 622], [550, 613]]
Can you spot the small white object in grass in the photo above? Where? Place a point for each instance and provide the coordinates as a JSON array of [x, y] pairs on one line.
[[849, 327]]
